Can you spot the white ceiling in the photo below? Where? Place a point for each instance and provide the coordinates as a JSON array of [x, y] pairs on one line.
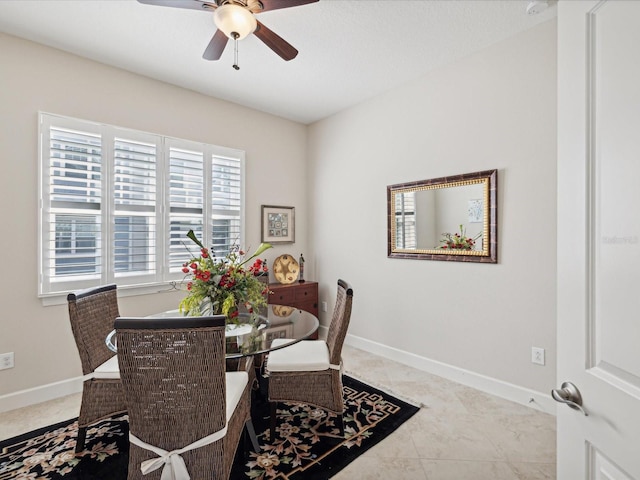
[[350, 50]]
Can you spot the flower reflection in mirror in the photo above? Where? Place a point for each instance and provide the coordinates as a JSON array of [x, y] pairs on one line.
[[458, 241]]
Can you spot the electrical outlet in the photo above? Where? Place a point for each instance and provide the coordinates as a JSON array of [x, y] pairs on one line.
[[6, 360], [537, 355], [324, 306]]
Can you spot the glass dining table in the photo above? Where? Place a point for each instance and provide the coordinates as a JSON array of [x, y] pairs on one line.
[[245, 338]]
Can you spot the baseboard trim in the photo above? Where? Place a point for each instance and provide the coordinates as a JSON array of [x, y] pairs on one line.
[[44, 393], [493, 386]]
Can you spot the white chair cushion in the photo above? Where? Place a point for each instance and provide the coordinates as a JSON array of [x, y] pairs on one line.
[[304, 356], [236, 383], [109, 369]]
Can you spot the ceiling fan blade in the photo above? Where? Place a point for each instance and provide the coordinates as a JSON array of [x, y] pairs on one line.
[[277, 4], [275, 42], [216, 46], [190, 4]]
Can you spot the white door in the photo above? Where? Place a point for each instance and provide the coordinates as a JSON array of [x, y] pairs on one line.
[[599, 237]]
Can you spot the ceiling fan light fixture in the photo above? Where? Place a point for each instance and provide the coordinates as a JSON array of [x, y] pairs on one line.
[[537, 6], [235, 21]]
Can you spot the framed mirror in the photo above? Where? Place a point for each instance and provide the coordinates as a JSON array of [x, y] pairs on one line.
[[450, 218]]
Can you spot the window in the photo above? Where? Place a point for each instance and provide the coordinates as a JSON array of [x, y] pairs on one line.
[[405, 219], [75, 246], [116, 204]]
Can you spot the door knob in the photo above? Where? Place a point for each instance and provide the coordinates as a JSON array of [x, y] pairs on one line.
[[569, 394]]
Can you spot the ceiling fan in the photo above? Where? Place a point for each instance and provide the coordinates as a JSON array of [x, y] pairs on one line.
[[235, 20]]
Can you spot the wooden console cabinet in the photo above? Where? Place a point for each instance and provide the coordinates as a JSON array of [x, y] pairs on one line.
[[300, 295]]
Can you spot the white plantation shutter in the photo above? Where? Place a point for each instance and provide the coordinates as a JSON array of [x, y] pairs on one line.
[[134, 234], [189, 187], [116, 204], [186, 197], [226, 184], [72, 232]]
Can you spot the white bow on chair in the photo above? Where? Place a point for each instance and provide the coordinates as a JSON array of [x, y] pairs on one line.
[[174, 466]]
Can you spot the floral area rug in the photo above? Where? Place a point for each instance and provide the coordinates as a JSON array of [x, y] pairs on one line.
[[308, 445], [48, 453]]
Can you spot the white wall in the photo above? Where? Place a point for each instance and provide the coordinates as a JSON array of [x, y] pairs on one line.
[[495, 109], [34, 78]]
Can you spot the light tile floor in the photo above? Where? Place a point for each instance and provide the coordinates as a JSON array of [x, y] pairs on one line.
[[459, 434]]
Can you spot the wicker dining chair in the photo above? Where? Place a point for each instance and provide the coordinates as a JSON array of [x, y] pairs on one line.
[[92, 313], [310, 371], [178, 394]]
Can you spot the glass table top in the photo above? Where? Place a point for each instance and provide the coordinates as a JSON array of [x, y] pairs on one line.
[[245, 338]]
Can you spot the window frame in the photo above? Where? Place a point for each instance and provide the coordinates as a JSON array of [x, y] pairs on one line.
[[53, 291]]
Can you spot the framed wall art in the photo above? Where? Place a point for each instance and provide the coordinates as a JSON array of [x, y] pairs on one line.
[[278, 224], [476, 211]]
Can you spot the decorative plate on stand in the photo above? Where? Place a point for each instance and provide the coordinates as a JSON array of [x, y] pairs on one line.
[[286, 269]]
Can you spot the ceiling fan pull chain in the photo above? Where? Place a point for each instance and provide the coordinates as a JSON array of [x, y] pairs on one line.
[[235, 50]]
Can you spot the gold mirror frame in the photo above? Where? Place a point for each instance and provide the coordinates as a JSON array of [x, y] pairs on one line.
[[488, 179]]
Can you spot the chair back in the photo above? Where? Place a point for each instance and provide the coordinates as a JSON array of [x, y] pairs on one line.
[[340, 321], [92, 313], [173, 375]]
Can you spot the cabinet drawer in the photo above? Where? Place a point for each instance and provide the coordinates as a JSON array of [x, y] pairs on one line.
[[310, 306], [282, 296], [306, 292]]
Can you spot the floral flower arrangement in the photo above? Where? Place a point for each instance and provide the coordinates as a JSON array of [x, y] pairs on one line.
[[458, 241], [220, 285]]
